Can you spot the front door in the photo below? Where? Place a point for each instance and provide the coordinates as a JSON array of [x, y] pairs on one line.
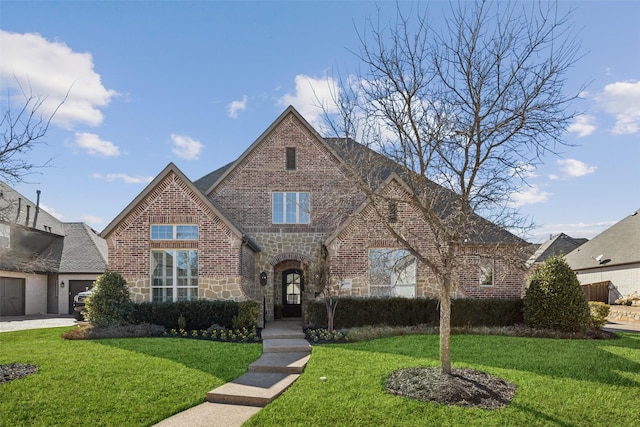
[[292, 287]]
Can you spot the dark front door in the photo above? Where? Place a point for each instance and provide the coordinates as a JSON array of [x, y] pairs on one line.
[[292, 286]]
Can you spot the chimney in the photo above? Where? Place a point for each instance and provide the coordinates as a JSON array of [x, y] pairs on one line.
[[18, 210], [35, 215], [26, 221]]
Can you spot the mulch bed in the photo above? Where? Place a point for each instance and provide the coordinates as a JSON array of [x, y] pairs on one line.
[[13, 371], [463, 387]]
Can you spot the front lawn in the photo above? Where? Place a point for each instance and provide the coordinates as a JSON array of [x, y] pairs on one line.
[[118, 382], [560, 383]]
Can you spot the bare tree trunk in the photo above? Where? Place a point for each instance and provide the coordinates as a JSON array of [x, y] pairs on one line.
[[330, 313], [445, 328]]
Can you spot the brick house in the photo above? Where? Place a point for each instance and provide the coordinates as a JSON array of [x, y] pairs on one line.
[[249, 230]]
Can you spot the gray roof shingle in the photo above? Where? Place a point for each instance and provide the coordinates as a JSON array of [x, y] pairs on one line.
[[618, 245]]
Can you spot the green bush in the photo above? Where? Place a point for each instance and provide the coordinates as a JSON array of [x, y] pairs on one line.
[[247, 316], [396, 311], [109, 303], [198, 314], [599, 313], [555, 300]]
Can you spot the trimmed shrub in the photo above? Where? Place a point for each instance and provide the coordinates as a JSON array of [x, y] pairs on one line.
[[109, 303], [555, 300], [357, 312], [199, 314], [599, 313], [247, 316]]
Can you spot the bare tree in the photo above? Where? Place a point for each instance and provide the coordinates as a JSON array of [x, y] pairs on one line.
[[462, 113], [325, 284], [22, 127]]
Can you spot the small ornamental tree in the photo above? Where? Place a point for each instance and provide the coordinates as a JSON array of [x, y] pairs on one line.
[[555, 300], [109, 303]]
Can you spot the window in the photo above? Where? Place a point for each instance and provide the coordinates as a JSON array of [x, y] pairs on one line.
[[290, 208], [174, 275], [486, 271], [392, 272], [291, 158], [174, 232], [392, 215]]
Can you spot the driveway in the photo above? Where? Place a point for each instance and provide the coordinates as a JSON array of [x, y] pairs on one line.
[[20, 323]]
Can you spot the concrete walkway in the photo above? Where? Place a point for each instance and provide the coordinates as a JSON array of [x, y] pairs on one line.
[[285, 354]]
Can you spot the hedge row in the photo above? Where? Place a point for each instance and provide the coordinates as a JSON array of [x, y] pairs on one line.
[[200, 314], [355, 312]]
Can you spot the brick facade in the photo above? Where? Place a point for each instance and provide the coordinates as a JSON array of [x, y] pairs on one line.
[[229, 268]]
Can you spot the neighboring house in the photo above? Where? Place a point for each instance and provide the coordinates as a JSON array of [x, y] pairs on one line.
[[560, 244], [612, 257], [250, 229], [43, 262]]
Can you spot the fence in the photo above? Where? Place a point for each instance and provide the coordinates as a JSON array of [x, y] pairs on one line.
[[597, 291]]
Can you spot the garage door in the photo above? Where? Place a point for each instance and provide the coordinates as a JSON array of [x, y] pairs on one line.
[[11, 296]]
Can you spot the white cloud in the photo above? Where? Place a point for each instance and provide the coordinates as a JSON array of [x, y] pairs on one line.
[[92, 220], [52, 70], [575, 168], [52, 212], [622, 99], [583, 126], [529, 196], [127, 179], [96, 146], [185, 147], [236, 106], [310, 94]]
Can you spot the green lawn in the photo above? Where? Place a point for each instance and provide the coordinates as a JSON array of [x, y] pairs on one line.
[[118, 382], [560, 383]]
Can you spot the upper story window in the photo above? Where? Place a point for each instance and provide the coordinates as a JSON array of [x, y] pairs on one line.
[[486, 271], [174, 232], [290, 208], [291, 158]]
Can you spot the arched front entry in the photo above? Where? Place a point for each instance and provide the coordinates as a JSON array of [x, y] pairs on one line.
[[292, 292]]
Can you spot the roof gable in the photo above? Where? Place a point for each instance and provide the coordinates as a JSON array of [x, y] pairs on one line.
[[208, 183], [560, 244], [617, 245], [158, 180]]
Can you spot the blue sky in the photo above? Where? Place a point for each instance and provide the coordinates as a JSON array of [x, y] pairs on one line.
[[195, 83]]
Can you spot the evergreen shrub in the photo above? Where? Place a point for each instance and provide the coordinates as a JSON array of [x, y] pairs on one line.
[[555, 300], [109, 303]]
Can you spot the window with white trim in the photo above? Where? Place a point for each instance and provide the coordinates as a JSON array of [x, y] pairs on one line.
[[486, 271], [174, 275], [174, 232], [392, 272], [290, 208]]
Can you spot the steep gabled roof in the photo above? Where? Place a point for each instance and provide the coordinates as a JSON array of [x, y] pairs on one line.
[[560, 244], [172, 168], [207, 183], [387, 170], [617, 245]]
